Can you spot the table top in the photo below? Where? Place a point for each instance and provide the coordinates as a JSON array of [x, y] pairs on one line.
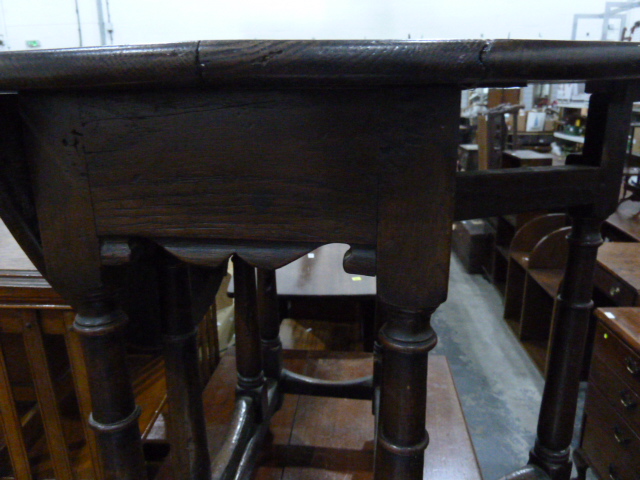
[[625, 321], [319, 62], [626, 219], [527, 154], [320, 273], [11, 255], [621, 259]]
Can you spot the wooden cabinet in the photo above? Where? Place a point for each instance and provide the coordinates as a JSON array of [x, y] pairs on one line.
[[610, 441], [617, 274]]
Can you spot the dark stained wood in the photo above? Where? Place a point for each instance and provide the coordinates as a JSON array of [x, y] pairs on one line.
[[608, 118], [538, 304], [626, 324], [610, 438], [327, 62], [523, 243], [567, 345], [504, 59], [618, 272], [114, 412], [125, 66], [81, 380], [53, 149], [213, 254], [414, 197], [360, 260], [267, 145], [189, 451], [212, 188], [523, 189], [269, 320], [316, 438]]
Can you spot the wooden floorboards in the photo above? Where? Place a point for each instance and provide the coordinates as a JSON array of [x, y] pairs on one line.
[[326, 439]]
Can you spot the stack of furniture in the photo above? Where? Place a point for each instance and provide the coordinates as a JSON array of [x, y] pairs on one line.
[[611, 432]]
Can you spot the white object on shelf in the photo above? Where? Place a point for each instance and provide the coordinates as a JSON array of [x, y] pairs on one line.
[[569, 138]]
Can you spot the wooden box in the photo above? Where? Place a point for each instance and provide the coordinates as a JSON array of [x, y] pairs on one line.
[[471, 243]]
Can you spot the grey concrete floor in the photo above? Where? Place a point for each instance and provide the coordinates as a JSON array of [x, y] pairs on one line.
[[498, 384]]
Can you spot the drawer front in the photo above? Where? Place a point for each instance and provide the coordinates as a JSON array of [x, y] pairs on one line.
[[611, 446], [616, 290], [621, 359], [617, 393]]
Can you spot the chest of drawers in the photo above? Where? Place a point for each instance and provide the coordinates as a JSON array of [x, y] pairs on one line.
[[611, 433]]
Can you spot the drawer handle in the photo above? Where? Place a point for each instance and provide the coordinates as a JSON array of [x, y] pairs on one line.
[[613, 475], [613, 291], [633, 365], [627, 400], [619, 436]]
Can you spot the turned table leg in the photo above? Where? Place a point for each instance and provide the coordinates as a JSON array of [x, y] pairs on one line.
[[415, 212], [248, 342], [607, 130], [187, 431], [557, 412], [115, 415], [406, 339], [269, 318]]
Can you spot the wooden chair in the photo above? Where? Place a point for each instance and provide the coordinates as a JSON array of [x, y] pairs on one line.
[[544, 275], [44, 393], [523, 243], [263, 151]]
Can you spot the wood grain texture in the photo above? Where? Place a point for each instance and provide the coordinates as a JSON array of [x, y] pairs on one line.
[[239, 163], [621, 259], [551, 251], [39, 365], [524, 241], [523, 189], [316, 438], [257, 254], [62, 195], [325, 62], [610, 115], [626, 324], [11, 424], [416, 196], [123, 66]]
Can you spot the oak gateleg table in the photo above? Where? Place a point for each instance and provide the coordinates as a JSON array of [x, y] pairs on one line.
[[262, 151]]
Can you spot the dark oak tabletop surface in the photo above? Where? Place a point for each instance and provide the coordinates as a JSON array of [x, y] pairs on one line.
[[625, 321], [626, 219], [622, 259], [319, 62]]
